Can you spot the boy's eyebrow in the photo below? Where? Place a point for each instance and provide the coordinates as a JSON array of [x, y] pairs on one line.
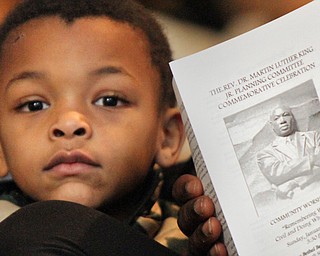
[[25, 75], [108, 70], [39, 75]]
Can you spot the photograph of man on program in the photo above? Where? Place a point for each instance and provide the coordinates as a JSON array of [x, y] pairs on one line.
[[277, 144]]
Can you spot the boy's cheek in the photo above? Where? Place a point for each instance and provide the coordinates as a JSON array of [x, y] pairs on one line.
[[3, 166]]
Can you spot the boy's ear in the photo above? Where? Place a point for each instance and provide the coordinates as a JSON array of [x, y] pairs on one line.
[[3, 166], [172, 140]]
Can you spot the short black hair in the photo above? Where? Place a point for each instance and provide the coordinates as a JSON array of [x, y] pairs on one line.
[[127, 11]]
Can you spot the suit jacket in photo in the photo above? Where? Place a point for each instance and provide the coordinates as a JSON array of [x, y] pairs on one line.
[[288, 158]]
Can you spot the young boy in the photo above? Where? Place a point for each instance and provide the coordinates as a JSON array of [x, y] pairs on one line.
[[86, 104], [86, 110]]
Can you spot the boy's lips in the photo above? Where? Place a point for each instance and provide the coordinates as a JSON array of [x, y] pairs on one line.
[[70, 162]]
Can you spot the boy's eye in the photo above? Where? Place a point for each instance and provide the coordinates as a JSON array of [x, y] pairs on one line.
[[110, 101], [33, 106]]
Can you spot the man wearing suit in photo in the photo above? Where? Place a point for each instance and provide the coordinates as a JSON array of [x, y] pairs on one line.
[[292, 161]]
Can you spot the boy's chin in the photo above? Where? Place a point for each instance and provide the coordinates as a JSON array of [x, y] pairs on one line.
[[79, 200], [80, 194]]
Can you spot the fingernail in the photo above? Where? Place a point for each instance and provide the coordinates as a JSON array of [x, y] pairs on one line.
[[187, 187], [215, 251], [198, 206], [207, 229], [190, 187]]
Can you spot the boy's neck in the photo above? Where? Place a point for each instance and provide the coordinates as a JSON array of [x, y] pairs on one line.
[[139, 202]]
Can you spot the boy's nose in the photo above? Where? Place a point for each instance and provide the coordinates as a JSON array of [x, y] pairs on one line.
[[70, 125]]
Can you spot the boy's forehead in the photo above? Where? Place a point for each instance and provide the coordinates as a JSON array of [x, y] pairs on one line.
[[95, 31], [102, 24], [15, 36], [92, 41]]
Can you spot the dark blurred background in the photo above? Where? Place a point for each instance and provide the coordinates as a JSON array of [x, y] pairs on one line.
[[216, 13]]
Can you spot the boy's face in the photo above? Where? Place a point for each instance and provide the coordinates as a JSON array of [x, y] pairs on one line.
[[79, 109]]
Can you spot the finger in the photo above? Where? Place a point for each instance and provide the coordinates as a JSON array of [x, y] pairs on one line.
[[205, 236], [218, 249], [187, 187], [193, 213]]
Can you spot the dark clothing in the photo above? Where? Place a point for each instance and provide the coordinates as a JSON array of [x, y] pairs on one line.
[[64, 228], [61, 228]]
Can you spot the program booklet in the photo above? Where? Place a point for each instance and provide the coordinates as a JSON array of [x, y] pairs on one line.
[[251, 110]]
